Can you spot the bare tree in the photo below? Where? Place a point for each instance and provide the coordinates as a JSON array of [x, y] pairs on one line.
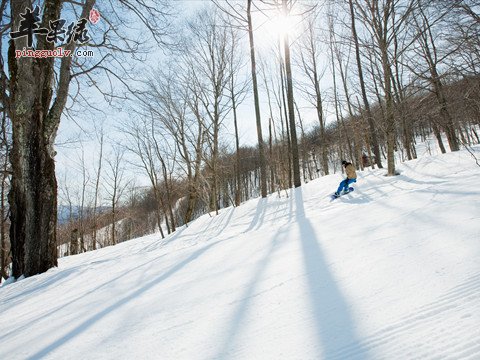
[[67, 199], [272, 137], [208, 55], [115, 185], [335, 54], [283, 105], [428, 50], [146, 147], [177, 113], [263, 165], [35, 109], [238, 88], [366, 104], [462, 19], [290, 100], [98, 173], [310, 63], [383, 19]]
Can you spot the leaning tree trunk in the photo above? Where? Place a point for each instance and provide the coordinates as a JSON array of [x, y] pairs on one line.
[[33, 194]]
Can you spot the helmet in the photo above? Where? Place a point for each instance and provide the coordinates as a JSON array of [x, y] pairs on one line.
[[344, 162]]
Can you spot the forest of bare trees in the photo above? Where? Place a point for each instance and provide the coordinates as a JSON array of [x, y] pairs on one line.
[[362, 80]]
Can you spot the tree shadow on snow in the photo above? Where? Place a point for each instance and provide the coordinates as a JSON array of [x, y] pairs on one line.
[[245, 301], [334, 325], [92, 320], [257, 219]]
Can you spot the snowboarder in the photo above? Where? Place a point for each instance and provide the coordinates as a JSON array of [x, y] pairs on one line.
[[351, 178]]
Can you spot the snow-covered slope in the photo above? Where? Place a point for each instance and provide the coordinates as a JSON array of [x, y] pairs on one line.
[[391, 271]]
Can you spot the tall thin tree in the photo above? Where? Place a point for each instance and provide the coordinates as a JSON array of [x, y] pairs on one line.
[[366, 103], [263, 163], [291, 109]]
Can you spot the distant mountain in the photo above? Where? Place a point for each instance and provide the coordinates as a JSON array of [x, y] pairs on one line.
[[63, 212]]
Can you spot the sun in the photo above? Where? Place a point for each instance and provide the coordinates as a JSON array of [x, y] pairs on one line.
[[281, 25], [274, 29]]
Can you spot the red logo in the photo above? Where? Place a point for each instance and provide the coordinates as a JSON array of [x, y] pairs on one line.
[[94, 16]]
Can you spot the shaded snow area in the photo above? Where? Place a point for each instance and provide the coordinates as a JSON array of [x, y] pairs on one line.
[[390, 271]]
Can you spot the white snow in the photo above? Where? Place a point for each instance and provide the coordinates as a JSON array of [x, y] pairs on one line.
[[391, 271]]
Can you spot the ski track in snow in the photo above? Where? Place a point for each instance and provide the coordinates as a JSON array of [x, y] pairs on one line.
[[390, 271], [456, 305]]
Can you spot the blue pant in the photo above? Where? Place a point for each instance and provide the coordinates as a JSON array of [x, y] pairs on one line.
[[344, 184]]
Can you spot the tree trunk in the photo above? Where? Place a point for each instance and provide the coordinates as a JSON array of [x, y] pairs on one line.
[[33, 195], [356, 155], [371, 124], [4, 177], [169, 198], [389, 114], [321, 121], [97, 186], [430, 52], [448, 123], [3, 252], [338, 115], [291, 110], [390, 124], [438, 135], [237, 148], [263, 171], [158, 209], [271, 126], [114, 219], [287, 127]]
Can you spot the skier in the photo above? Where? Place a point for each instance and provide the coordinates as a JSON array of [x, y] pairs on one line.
[[351, 178]]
